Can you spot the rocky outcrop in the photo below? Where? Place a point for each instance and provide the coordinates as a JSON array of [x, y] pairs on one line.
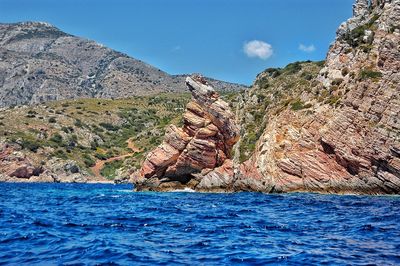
[[16, 166], [40, 63], [198, 155], [339, 135], [349, 143]]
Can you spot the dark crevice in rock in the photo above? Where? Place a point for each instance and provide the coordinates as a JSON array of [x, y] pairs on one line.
[[328, 149], [38, 171], [395, 152], [353, 169], [384, 166]]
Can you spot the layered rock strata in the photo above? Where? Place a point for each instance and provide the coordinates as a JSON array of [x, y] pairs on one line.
[[353, 146], [198, 155]]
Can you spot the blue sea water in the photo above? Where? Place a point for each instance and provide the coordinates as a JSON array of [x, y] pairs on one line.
[[88, 224]]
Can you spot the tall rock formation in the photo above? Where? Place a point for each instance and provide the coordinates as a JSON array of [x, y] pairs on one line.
[[352, 146], [198, 155]]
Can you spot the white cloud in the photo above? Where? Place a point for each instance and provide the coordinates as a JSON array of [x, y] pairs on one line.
[[307, 49], [258, 49]]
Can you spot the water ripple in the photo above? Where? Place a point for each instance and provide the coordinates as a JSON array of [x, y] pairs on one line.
[[76, 224]]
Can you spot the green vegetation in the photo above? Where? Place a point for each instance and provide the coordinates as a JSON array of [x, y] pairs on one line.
[[30, 145], [354, 38], [299, 105], [88, 160], [277, 89], [109, 126], [57, 139], [109, 169], [369, 74], [333, 100], [290, 69], [99, 130], [293, 68]]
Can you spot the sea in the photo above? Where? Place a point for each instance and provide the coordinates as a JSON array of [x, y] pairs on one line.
[[105, 224]]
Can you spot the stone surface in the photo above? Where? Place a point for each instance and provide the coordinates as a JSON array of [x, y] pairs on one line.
[[350, 147], [196, 155], [16, 166], [347, 140]]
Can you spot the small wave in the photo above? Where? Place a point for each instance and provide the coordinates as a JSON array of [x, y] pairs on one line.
[[186, 189], [152, 228], [125, 190]]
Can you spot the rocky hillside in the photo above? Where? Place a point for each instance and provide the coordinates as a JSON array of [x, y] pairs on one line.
[[83, 140], [341, 132], [275, 90], [331, 127], [40, 63]]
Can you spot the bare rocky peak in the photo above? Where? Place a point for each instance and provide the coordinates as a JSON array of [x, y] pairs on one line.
[[374, 27], [200, 89], [40, 63], [384, 12]]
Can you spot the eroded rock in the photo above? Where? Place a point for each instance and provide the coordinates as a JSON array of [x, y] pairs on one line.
[[349, 147], [198, 154]]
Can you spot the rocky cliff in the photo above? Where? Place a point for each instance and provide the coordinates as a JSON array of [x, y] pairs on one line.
[[332, 128], [345, 138], [198, 155], [40, 63]]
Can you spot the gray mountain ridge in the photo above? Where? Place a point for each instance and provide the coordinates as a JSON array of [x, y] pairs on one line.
[[40, 63]]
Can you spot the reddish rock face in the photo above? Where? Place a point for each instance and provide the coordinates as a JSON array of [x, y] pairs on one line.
[[352, 147], [17, 166], [190, 153], [14, 164]]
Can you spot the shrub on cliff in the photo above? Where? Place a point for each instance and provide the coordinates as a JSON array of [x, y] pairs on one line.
[[369, 74], [57, 139], [30, 145]]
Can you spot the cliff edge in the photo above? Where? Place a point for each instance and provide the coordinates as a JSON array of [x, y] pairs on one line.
[[347, 139]]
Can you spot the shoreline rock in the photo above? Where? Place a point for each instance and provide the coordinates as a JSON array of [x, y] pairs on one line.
[[196, 156], [349, 147], [16, 166]]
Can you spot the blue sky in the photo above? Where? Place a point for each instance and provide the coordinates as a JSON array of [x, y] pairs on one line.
[[231, 40]]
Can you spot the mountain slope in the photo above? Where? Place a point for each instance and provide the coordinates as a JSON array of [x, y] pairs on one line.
[[40, 63]]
